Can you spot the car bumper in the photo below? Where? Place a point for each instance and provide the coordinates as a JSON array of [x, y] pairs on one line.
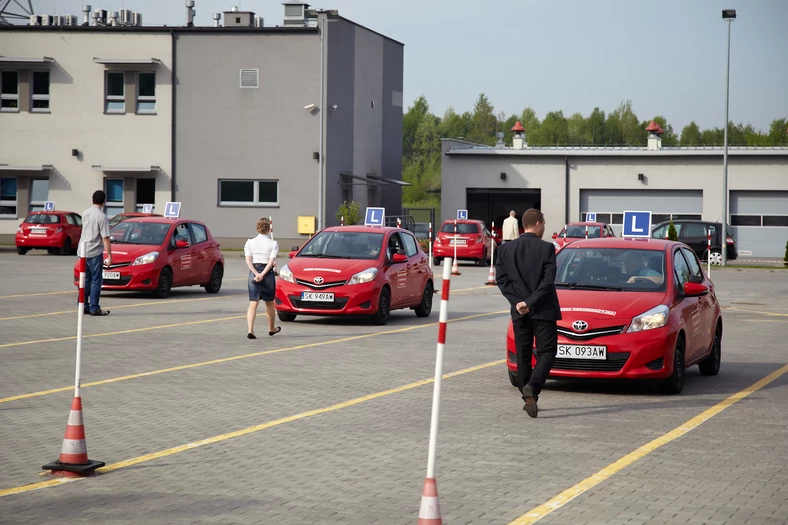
[[354, 299], [472, 251], [138, 279], [37, 241], [640, 355]]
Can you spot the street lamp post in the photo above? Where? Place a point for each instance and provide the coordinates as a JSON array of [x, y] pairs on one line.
[[729, 15]]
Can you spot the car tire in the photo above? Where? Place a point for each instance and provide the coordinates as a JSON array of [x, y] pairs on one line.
[[165, 284], [381, 317], [513, 378], [285, 317], [675, 383], [716, 258], [215, 282], [66, 249], [425, 306], [711, 365], [483, 260], [20, 250], [437, 261]]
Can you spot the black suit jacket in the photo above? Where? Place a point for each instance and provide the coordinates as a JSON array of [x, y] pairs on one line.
[[525, 271]]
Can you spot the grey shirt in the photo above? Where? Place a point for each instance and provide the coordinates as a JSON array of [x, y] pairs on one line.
[[95, 226]]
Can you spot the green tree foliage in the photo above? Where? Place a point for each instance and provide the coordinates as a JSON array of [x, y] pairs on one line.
[[423, 132], [672, 234], [350, 211]]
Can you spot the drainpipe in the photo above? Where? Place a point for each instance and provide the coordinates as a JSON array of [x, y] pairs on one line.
[[172, 117], [566, 190]]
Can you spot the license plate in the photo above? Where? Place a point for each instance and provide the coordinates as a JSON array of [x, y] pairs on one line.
[[111, 275], [582, 352], [38, 231], [457, 241], [317, 297]]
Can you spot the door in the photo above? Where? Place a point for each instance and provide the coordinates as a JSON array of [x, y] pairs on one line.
[[695, 235], [708, 322], [398, 272], [201, 253], [73, 229], [181, 258], [417, 268], [690, 309]]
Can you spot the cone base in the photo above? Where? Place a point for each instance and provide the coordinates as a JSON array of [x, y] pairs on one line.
[[456, 273], [488, 283], [73, 470]]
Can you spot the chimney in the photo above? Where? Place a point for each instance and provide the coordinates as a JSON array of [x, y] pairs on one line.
[[259, 21], [654, 139], [113, 18], [86, 9], [500, 144], [295, 13], [518, 141], [189, 13], [216, 18]]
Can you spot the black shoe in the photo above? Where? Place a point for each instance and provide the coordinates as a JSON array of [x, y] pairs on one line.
[[530, 406], [278, 329], [251, 336], [100, 312]]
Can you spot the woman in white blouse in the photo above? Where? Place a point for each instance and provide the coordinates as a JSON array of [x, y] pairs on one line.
[[260, 255]]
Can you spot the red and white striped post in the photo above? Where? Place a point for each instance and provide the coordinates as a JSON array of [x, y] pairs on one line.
[[342, 220], [708, 251], [399, 223], [430, 241], [565, 228], [455, 270], [73, 461], [491, 277], [667, 234], [586, 231], [271, 232], [430, 511]]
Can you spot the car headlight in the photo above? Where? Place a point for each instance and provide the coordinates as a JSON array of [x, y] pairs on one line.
[[285, 274], [366, 276], [145, 259], [655, 318]]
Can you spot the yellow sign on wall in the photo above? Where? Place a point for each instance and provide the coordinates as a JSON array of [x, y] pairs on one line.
[[307, 224]]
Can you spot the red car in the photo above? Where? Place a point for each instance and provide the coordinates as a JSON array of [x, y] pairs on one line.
[[129, 215], [356, 270], [582, 230], [157, 254], [633, 309], [472, 238], [54, 231]]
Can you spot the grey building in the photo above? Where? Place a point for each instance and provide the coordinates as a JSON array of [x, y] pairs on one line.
[[671, 182], [235, 121]]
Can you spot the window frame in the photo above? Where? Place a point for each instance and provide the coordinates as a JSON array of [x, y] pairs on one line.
[[9, 203], [115, 204], [255, 202], [34, 97], [114, 98], [679, 282], [145, 98], [194, 227], [415, 245], [32, 205], [9, 96]]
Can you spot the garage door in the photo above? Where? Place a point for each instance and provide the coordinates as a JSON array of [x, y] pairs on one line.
[[760, 222], [609, 205], [487, 204]]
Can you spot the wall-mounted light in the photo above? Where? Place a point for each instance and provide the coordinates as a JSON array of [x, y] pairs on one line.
[[640, 177], [75, 153], [316, 155], [503, 176]]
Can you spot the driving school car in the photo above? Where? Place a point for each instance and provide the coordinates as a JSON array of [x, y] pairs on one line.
[[472, 240], [356, 270], [632, 309]]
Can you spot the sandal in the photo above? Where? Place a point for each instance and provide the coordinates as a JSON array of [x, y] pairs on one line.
[[278, 329]]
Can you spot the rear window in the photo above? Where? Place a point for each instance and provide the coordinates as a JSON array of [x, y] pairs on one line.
[[462, 227], [579, 231], [43, 218]]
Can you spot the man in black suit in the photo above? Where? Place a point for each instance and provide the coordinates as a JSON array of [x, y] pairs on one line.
[[525, 273]]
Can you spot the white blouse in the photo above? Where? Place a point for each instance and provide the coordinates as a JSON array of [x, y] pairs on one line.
[[261, 249]]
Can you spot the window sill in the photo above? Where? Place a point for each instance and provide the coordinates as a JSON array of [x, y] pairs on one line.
[[114, 112], [247, 205], [9, 110], [9, 217], [145, 113], [40, 111]]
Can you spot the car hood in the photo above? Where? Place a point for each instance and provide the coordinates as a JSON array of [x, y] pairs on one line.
[[307, 268], [600, 309], [128, 252]]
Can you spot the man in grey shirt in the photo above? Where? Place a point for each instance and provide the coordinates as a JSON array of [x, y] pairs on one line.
[[95, 237]]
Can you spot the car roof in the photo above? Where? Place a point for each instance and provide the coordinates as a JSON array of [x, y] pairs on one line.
[[462, 221], [695, 221], [137, 214], [162, 220], [51, 212], [586, 223], [355, 228], [640, 243]]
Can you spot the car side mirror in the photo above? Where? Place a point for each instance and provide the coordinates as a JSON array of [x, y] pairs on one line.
[[695, 289], [399, 258], [294, 248], [555, 235], [697, 279], [292, 254], [181, 244]]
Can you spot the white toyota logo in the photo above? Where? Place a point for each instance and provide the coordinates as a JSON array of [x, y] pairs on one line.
[[318, 280], [580, 326]]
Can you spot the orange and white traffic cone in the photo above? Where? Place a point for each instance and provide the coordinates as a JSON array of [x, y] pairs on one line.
[[455, 270], [491, 278], [430, 510], [73, 461]]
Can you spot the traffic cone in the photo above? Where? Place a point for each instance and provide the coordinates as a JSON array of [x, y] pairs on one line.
[[74, 462], [455, 270], [430, 510], [491, 278]]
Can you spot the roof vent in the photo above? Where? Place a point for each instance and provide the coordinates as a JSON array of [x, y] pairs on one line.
[[295, 12], [216, 18], [126, 17], [518, 141], [500, 144], [236, 18], [654, 139], [190, 12], [250, 78], [86, 14]]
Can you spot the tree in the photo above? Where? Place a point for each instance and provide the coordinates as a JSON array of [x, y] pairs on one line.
[[530, 122], [672, 234], [484, 121], [410, 123], [629, 130], [576, 130], [691, 135], [350, 212], [554, 130], [595, 128], [778, 132], [455, 126]]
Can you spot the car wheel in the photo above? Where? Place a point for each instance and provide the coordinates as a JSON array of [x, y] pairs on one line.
[[675, 383], [512, 378], [711, 365], [381, 317], [437, 261], [215, 284], [483, 260], [20, 250], [285, 317], [716, 258], [66, 249], [425, 307], [165, 284]]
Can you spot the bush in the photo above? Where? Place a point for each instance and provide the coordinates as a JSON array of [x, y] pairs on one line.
[[351, 211], [786, 252], [425, 246], [672, 234]]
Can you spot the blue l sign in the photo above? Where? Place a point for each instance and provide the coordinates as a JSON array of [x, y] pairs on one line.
[[147, 208], [374, 216], [172, 210], [637, 224], [49, 206], [462, 215], [590, 217]]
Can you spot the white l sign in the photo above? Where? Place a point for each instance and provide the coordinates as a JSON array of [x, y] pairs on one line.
[[635, 229]]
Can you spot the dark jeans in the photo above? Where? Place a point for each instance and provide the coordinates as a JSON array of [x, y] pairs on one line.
[[93, 281], [546, 333]]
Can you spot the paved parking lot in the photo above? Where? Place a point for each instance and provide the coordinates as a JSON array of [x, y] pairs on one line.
[[328, 421]]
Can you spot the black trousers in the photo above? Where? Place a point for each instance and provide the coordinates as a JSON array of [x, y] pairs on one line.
[[546, 334]]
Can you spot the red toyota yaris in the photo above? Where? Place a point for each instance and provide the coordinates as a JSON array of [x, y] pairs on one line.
[[472, 238], [633, 309], [356, 270], [54, 231]]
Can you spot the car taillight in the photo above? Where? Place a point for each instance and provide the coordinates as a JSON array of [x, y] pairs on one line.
[[480, 239], [59, 230], [729, 240]]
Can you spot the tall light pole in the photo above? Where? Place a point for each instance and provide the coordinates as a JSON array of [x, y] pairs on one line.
[[729, 15]]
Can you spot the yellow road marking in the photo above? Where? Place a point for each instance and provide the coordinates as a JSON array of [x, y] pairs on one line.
[[244, 356], [249, 430], [74, 291], [773, 314], [571, 493]]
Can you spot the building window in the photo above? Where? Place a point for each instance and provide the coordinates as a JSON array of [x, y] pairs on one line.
[[775, 220], [9, 91], [745, 220], [114, 204], [146, 92], [250, 78], [8, 198], [40, 92], [39, 193], [248, 193], [617, 219], [116, 92], [146, 193]]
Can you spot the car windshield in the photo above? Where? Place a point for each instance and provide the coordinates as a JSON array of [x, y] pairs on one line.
[[132, 232], [462, 227], [620, 269], [344, 245], [43, 218], [116, 219], [578, 231]]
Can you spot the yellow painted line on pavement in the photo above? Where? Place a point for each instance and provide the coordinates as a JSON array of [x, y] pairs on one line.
[[571, 493], [760, 312], [74, 291], [244, 356], [249, 430]]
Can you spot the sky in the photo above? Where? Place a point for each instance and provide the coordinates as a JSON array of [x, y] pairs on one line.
[[667, 56]]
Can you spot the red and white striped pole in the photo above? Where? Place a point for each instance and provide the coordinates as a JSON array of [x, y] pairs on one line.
[[491, 277], [271, 232], [73, 460], [455, 270], [430, 511], [565, 227], [430, 241], [586, 231], [708, 251], [399, 223], [342, 220]]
